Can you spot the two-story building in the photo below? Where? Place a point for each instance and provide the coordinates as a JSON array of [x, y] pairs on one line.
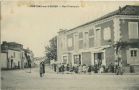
[[14, 56], [97, 40]]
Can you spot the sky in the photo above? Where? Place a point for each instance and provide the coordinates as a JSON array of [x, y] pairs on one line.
[[35, 26]]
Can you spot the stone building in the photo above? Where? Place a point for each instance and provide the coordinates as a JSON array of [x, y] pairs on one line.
[[98, 40], [13, 55], [13, 52], [29, 57]]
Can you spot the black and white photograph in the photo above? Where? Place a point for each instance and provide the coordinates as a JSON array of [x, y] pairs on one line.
[[69, 45]]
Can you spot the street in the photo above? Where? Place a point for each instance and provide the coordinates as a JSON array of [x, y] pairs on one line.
[[23, 80]]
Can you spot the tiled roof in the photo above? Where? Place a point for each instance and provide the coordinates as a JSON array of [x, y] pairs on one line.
[[127, 10]]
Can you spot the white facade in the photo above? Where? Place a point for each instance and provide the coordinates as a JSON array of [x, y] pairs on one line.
[[16, 56], [3, 60]]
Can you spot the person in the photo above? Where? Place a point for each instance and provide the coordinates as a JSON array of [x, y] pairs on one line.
[[58, 68], [55, 67], [101, 70], [115, 66], [80, 69], [99, 63], [73, 69], [62, 68], [111, 68], [95, 68], [76, 69], [84, 68], [89, 69], [29, 63], [41, 69], [120, 67], [11, 63], [67, 67]]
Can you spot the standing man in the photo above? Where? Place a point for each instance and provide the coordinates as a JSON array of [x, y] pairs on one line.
[[29, 63], [55, 67], [41, 69]]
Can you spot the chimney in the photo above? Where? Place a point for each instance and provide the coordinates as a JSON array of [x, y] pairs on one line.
[[120, 9]]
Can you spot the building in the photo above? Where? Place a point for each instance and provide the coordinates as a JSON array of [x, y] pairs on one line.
[[13, 55], [113, 35], [29, 57]]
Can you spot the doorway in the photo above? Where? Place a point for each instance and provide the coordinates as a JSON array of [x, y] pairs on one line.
[[98, 57]]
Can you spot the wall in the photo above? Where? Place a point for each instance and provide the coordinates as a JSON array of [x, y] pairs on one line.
[[85, 45], [3, 60], [16, 58], [125, 38], [59, 46], [70, 36], [124, 29], [104, 25], [86, 58], [109, 55]]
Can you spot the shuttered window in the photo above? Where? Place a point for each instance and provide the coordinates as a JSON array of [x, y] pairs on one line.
[[80, 40], [107, 33], [91, 38], [70, 44], [133, 30]]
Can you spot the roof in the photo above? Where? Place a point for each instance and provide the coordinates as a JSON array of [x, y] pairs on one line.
[[12, 43], [126, 10]]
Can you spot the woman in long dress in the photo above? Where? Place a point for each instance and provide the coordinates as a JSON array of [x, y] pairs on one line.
[[41, 69]]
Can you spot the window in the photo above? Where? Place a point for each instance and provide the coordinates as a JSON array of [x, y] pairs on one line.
[[76, 41], [80, 35], [80, 40], [133, 30], [64, 59], [63, 43], [107, 33], [70, 42], [133, 53], [91, 38], [77, 59], [86, 40], [80, 44], [91, 32], [98, 36]]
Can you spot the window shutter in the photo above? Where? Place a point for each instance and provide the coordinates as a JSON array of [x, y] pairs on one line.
[[133, 30]]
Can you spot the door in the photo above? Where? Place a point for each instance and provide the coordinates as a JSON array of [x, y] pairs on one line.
[[77, 59], [99, 57]]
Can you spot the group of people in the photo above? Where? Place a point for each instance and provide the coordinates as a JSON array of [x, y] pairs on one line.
[[42, 68], [115, 67], [61, 68]]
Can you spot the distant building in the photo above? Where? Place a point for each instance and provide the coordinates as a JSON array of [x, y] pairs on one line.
[[38, 60], [97, 40], [29, 57], [12, 55]]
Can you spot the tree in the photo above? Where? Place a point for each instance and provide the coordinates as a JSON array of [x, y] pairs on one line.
[[51, 49]]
